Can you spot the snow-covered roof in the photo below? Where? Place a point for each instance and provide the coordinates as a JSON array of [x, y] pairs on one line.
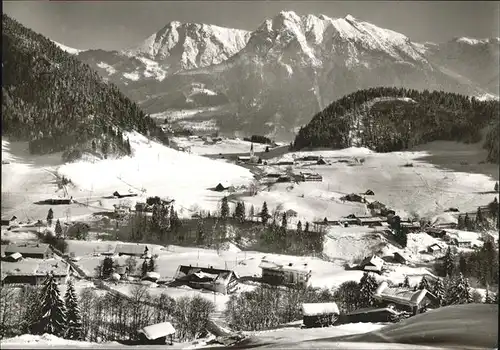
[[16, 255], [135, 249], [371, 310], [158, 330], [269, 265], [444, 219], [373, 260], [315, 309], [24, 248], [36, 267], [400, 295]]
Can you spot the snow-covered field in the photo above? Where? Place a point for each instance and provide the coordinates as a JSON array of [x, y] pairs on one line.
[[422, 190], [226, 146], [154, 168]]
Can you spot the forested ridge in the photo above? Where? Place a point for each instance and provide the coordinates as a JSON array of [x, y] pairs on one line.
[[57, 103], [392, 119]]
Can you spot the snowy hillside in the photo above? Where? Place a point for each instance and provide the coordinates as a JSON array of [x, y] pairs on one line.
[[67, 48]]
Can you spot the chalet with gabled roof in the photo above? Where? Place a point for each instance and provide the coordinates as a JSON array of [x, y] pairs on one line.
[[319, 314], [30, 250], [404, 299], [217, 280], [290, 274]]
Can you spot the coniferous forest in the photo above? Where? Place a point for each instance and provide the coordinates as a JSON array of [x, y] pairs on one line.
[[393, 119], [57, 103]]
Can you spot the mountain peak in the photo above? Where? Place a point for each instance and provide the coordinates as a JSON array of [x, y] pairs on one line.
[[350, 18]]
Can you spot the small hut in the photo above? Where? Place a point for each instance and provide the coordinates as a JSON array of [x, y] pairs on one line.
[[320, 314], [160, 333], [219, 188]]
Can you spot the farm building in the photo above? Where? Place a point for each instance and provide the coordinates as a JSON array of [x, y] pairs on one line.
[[284, 179], [216, 280], [404, 299], [9, 222], [219, 188], [319, 314], [353, 197], [138, 250], [369, 193], [310, 158], [310, 177], [118, 195], [33, 250], [274, 273], [34, 271], [13, 257], [460, 243], [369, 315], [349, 221], [435, 232], [411, 226], [58, 201], [369, 221], [372, 263], [157, 334], [291, 213], [321, 161], [285, 162], [435, 249], [401, 258]]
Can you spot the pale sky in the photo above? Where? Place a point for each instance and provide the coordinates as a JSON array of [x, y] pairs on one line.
[[120, 24]]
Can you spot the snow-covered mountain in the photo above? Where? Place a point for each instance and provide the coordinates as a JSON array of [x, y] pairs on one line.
[[67, 48], [275, 78]]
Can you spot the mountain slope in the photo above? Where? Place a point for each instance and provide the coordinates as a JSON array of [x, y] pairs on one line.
[[272, 80], [390, 119], [55, 102]]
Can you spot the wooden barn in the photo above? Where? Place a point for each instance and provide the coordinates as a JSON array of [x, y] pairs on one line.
[[372, 264], [30, 250], [35, 271], [137, 250], [319, 314], [274, 273], [353, 197], [435, 232], [216, 280], [435, 249], [310, 177], [404, 299], [369, 315], [401, 258], [9, 222], [370, 221], [157, 334]]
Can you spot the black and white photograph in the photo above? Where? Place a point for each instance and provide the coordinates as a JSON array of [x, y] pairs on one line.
[[250, 174]]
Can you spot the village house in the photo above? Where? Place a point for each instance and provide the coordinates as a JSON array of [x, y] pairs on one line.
[[35, 271], [404, 299], [310, 177], [274, 273], [157, 334], [369, 193], [435, 249], [13, 257], [216, 280], [121, 209], [346, 221], [460, 243], [10, 222], [435, 232], [30, 250], [319, 314], [321, 161], [140, 206], [369, 315], [372, 263], [353, 197], [291, 213], [219, 188], [401, 258], [376, 207], [369, 221], [137, 250], [309, 158], [285, 162], [411, 227]]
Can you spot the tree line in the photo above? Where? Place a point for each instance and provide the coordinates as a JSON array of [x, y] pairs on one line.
[[392, 119], [57, 103], [98, 317]]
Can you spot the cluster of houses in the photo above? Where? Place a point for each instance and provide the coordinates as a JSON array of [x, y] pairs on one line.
[[29, 263], [393, 302]]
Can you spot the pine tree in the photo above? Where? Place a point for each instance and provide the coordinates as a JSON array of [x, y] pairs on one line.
[[449, 262], [479, 218], [462, 264], [299, 227], [488, 299], [460, 291], [461, 222], [252, 212], [264, 214], [107, 267], [58, 229], [94, 146], [53, 319], [284, 221], [306, 229], [50, 217], [144, 268], [468, 223], [243, 213], [224, 208], [367, 288], [496, 186], [439, 291], [200, 238], [152, 265], [73, 319], [406, 282], [424, 284]]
